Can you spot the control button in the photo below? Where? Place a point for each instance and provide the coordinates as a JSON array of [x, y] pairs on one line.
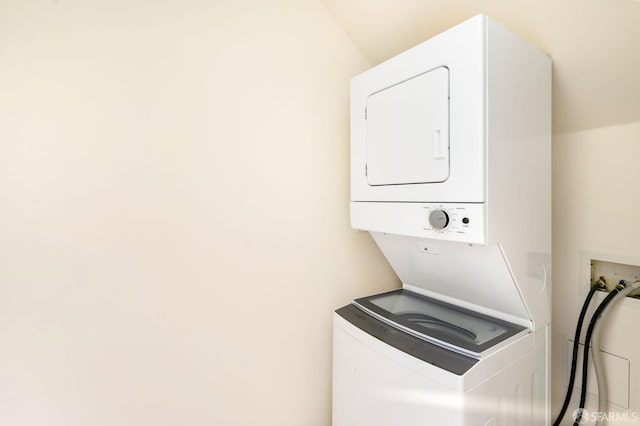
[[465, 220], [439, 219]]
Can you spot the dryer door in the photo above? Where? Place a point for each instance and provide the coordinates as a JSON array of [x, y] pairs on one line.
[[407, 131]]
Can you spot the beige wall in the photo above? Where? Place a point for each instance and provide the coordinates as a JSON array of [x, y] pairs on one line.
[[173, 212], [173, 191], [596, 200]]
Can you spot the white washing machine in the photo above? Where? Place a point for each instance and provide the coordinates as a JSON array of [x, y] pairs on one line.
[[451, 174]]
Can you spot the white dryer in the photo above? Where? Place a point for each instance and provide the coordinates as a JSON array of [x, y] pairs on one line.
[[451, 174]]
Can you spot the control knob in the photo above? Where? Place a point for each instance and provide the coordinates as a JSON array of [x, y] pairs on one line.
[[439, 219]]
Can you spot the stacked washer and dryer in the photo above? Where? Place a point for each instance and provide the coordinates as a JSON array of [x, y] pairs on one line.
[[451, 175]]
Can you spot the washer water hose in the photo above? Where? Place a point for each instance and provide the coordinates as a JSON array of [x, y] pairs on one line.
[[587, 343], [574, 356], [595, 350]]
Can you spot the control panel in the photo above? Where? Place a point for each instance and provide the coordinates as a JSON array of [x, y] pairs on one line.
[[464, 222], [452, 219]]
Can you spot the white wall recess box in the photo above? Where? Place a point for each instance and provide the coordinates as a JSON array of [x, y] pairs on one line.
[[613, 268]]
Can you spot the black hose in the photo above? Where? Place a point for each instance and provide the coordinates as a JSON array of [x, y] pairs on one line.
[[574, 356], [587, 344]]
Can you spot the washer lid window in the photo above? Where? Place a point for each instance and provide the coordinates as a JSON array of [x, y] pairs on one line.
[[446, 325], [407, 131]]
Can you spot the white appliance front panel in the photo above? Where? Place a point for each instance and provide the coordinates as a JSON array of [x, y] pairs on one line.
[[375, 384], [407, 131], [455, 61]]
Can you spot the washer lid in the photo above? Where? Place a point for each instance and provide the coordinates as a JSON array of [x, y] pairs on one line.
[[443, 324], [476, 277], [407, 131]]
